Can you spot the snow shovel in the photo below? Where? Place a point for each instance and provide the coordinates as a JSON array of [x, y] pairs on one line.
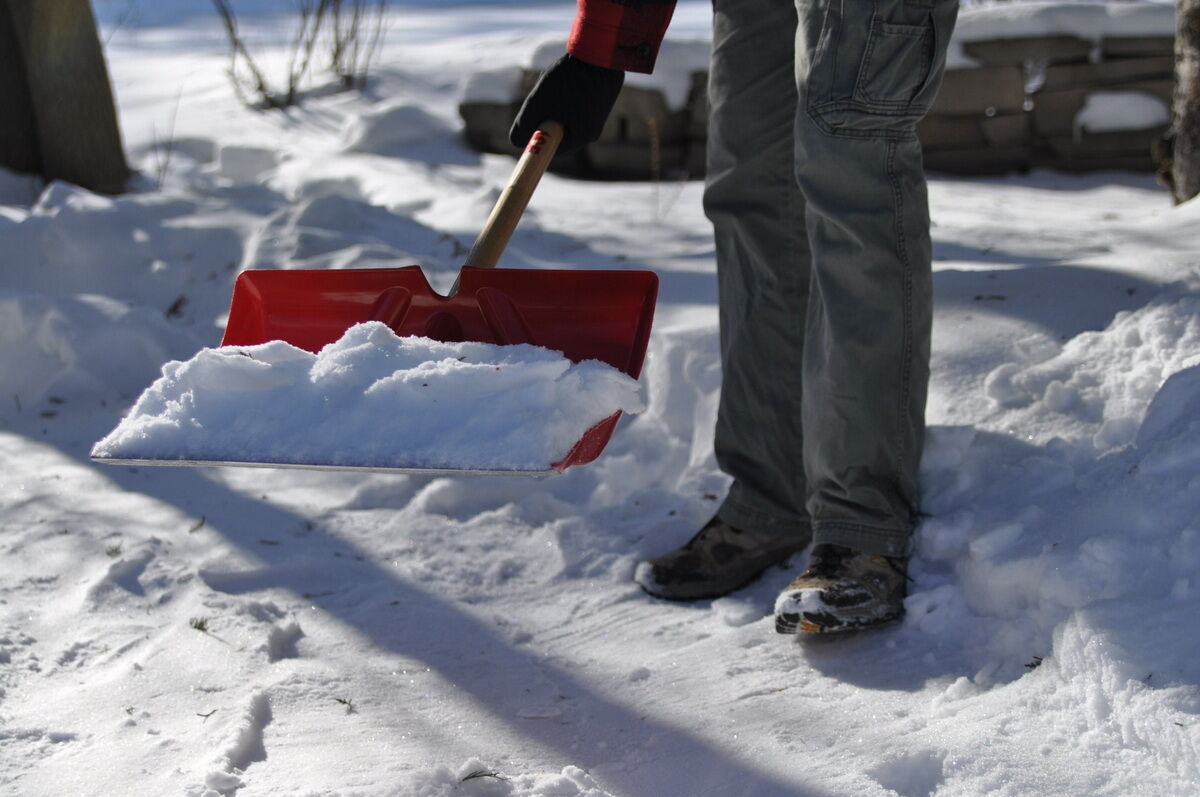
[[587, 315]]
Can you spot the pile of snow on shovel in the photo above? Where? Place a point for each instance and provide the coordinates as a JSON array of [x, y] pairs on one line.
[[373, 399]]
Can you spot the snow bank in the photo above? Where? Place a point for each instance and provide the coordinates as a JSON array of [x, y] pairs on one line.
[[58, 347], [373, 399], [391, 128], [1096, 387], [158, 251], [1036, 534]]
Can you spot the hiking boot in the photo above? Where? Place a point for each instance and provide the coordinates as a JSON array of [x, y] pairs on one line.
[[842, 590], [717, 561]]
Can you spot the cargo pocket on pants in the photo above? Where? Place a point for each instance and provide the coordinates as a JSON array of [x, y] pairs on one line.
[[892, 55], [896, 64]]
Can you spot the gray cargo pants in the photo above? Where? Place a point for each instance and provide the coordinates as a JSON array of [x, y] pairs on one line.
[[817, 196]]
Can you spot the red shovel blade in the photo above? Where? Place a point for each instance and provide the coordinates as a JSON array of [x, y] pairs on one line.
[[587, 315]]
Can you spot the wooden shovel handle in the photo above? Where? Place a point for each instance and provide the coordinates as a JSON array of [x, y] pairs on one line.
[[512, 202]]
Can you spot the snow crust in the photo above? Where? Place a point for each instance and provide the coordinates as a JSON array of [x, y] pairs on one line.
[[1086, 19], [373, 399], [1092, 20], [228, 631]]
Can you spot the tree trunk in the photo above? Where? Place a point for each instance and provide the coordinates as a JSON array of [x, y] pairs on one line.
[[58, 118], [1182, 172]]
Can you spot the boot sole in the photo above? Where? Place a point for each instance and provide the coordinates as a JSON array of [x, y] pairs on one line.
[[802, 624], [701, 596], [684, 596]]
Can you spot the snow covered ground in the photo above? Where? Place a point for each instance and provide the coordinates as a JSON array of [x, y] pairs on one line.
[[254, 632]]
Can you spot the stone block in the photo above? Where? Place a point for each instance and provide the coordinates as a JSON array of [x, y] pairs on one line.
[[983, 161], [642, 116], [1071, 162], [1111, 144], [486, 126], [1137, 46], [943, 132], [1017, 51], [1054, 112], [973, 132], [1008, 131], [969, 91], [636, 161], [1108, 73], [1163, 89]]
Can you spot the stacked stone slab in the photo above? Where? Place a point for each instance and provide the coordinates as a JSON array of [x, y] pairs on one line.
[[979, 123], [643, 139], [486, 122], [1019, 108]]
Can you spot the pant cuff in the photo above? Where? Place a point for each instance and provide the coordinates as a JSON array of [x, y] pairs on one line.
[[897, 543], [743, 517]]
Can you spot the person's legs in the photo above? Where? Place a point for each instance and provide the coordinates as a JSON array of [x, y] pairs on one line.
[[866, 72], [763, 263], [763, 273]]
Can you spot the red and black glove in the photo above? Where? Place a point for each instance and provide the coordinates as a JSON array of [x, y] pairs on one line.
[[574, 93]]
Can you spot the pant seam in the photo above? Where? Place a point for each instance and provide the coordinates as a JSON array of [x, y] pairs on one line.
[[906, 308], [878, 531], [791, 190]]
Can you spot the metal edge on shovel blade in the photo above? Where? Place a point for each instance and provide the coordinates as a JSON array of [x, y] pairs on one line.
[[584, 451], [191, 463]]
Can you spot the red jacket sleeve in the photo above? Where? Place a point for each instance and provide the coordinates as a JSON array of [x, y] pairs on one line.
[[620, 34]]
